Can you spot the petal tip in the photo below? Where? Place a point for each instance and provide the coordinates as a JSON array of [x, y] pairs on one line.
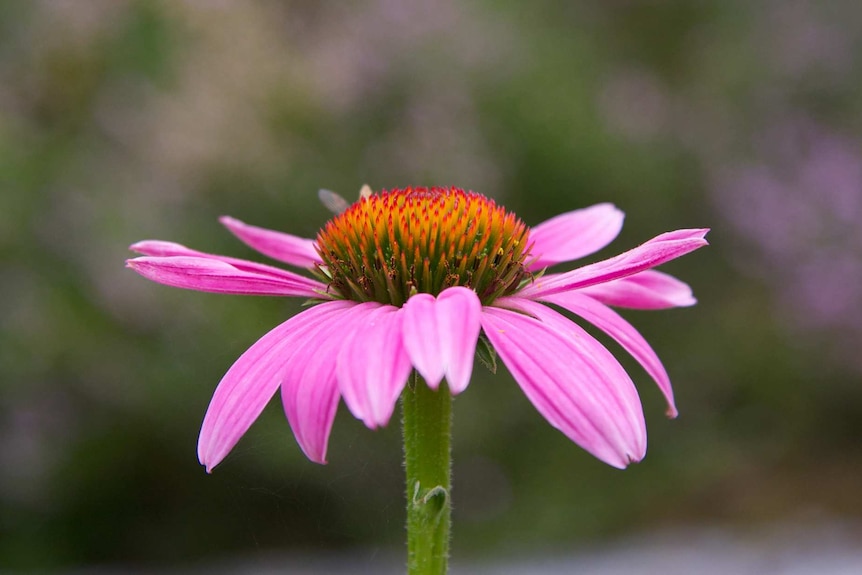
[[457, 387], [318, 459], [207, 463], [613, 208], [432, 381], [632, 459], [621, 462], [373, 424]]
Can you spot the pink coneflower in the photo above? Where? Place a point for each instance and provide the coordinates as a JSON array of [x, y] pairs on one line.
[[411, 279]]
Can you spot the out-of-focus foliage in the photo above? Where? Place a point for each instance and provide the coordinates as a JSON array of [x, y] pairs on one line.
[[126, 120]]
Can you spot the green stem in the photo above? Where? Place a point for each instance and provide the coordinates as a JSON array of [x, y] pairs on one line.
[[427, 436]]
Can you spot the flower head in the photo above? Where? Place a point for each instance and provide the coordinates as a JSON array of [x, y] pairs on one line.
[[393, 245], [409, 279]]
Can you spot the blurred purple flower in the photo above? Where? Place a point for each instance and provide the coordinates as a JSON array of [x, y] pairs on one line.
[[800, 207]]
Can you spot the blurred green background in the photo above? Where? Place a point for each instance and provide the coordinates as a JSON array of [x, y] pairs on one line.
[[129, 120]]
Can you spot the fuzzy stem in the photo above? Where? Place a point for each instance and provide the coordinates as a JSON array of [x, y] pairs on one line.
[[427, 438]]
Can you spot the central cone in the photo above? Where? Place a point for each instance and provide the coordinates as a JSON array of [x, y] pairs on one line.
[[393, 244]]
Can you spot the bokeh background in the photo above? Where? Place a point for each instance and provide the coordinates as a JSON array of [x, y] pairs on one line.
[[123, 120]]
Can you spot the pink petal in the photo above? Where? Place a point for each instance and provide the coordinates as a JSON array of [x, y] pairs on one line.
[[253, 379], [627, 336], [459, 314], [660, 249], [574, 234], [373, 366], [650, 289], [440, 335], [283, 247], [572, 380], [166, 249], [422, 338], [217, 276], [309, 390]]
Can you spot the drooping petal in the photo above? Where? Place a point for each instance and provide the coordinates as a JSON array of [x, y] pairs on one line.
[[309, 389], [459, 314], [166, 249], [422, 338], [373, 366], [660, 249], [162, 248], [280, 246], [253, 379], [574, 234], [574, 382], [623, 332], [649, 289], [218, 276], [440, 335]]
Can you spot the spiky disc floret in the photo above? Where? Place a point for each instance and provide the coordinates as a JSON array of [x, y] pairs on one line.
[[393, 244]]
